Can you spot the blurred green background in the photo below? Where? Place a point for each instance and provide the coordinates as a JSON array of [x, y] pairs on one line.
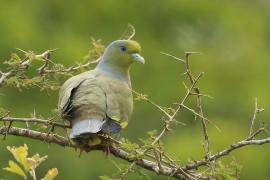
[[233, 36]]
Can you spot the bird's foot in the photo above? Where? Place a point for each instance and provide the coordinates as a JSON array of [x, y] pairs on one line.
[[106, 149], [83, 148]]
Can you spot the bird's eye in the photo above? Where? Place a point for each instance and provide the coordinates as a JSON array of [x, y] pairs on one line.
[[123, 48]]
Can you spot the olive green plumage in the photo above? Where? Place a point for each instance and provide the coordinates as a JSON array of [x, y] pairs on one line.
[[100, 100]]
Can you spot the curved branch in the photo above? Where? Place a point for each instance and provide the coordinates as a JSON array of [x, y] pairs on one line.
[[117, 152], [227, 151], [46, 137], [34, 120], [43, 69]]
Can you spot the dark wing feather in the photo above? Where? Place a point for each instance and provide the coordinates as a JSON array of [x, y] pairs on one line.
[[111, 126], [69, 105]]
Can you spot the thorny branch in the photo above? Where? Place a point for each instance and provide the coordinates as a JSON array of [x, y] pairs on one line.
[[62, 141], [227, 151], [167, 123], [184, 172], [34, 120], [152, 157], [193, 81], [257, 110], [44, 68]]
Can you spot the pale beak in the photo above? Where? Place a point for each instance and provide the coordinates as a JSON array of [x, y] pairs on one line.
[[137, 57]]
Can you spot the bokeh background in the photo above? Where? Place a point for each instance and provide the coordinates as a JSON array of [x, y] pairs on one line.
[[233, 36]]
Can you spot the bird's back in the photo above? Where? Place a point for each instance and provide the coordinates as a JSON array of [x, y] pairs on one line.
[[101, 96]]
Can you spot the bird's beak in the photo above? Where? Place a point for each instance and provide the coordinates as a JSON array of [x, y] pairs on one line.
[[137, 57]]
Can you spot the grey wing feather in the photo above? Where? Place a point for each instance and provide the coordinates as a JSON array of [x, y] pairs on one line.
[[111, 126], [68, 106], [66, 91]]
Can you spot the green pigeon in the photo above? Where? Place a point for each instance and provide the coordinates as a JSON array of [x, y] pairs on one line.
[[100, 100]]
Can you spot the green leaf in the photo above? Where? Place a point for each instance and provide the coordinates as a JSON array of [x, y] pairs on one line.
[[33, 162], [15, 168], [20, 153], [51, 174]]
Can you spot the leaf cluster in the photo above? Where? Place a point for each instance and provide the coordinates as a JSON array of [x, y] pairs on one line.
[[26, 166]]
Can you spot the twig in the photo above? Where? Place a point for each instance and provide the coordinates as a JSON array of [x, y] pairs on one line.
[[52, 138], [72, 68], [199, 104], [24, 64], [34, 120], [43, 69], [166, 126], [172, 56], [226, 151], [46, 57], [253, 118], [252, 136], [129, 33], [145, 98], [257, 110]]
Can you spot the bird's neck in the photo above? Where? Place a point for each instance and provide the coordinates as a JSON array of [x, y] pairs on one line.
[[115, 71]]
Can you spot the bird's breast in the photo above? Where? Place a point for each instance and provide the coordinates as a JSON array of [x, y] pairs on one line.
[[119, 98]]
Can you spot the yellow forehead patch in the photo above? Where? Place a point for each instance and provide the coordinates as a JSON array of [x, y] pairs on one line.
[[133, 46]]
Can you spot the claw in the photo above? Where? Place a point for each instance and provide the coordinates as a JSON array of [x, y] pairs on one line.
[[106, 149]]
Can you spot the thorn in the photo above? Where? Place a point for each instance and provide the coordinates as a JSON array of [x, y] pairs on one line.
[[21, 50], [179, 122], [46, 55], [34, 114], [81, 151], [191, 52], [106, 150], [184, 73], [172, 56], [185, 86], [52, 50], [259, 110]]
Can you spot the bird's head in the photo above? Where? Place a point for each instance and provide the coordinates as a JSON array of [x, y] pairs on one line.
[[122, 53]]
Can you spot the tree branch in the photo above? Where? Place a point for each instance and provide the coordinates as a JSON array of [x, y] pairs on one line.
[[45, 137], [34, 120], [227, 151], [117, 152]]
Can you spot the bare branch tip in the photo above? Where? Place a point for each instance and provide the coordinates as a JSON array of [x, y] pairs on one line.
[[192, 52], [172, 56], [21, 50]]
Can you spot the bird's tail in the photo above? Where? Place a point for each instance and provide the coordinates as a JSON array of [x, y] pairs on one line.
[[85, 127], [85, 130]]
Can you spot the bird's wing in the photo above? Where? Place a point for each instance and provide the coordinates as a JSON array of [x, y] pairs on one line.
[[67, 90], [96, 96], [93, 100], [119, 103]]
